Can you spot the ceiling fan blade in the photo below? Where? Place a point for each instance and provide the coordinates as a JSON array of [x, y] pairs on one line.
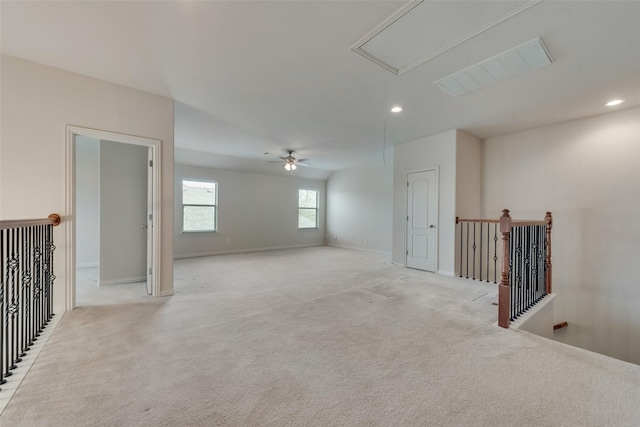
[[302, 160], [301, 164]]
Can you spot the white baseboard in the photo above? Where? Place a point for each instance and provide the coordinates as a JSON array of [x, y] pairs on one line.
[[87, 265], [446, 273], [355, 248], [242, 251], [122, 281]]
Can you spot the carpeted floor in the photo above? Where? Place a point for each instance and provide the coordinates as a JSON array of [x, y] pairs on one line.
[[315, 337], [89, 293]]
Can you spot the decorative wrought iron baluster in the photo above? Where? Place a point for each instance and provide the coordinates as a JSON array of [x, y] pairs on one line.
[[512, 274], [11, 302], [25, 285], [467, 271], [488, 251], [473, 261], [3, 251], [48, 292], [480, 259]]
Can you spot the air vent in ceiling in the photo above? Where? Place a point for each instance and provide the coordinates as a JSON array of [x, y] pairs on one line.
[[423, 30], [503, 66]]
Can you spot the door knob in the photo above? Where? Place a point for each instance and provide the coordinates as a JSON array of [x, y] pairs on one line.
[[432, 226], [143, 226]]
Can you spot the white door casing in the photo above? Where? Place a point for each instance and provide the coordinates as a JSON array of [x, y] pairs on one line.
[[422, 220], [153, 200], [149, 221]]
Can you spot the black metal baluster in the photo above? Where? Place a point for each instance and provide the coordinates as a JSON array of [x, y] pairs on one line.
[[3, 252], [512, 273], [488, 251], [529, 268], [518, 270], [525, 270], [49, 297], [534, 261], [22, 297], [43, 279], [467, 250], [11, 303], [16, 300], [544, 257], [6, 298], [473, 264], [480, 259], [534, 264]]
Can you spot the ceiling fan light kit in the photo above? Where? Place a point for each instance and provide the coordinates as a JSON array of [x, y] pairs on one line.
[[291, 163]]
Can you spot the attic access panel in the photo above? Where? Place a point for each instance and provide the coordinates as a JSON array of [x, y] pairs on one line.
[[422, 30]]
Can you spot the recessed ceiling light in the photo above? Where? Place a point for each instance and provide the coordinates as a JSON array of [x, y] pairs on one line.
[[614, 102], [396, 109]]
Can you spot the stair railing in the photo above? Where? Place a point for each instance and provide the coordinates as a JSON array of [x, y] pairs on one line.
[[526, 265], [478, 253], [26, 283], [523, 259]]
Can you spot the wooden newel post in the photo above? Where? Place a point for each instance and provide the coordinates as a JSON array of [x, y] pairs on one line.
[[549, 219], [504, 289]]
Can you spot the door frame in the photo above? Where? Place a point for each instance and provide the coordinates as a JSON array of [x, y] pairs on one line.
[[70, 175], [436, 169]]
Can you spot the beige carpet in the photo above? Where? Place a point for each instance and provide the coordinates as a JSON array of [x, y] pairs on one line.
[[89, 293], [315, 337]]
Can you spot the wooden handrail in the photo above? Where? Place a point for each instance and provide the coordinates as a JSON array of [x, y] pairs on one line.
[[525, 223], [53, 219], [491, 221]]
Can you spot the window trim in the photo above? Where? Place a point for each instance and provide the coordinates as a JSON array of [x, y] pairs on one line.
[[317, 209], [215, 205]]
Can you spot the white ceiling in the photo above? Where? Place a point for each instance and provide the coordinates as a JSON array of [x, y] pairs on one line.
[[265, 76]]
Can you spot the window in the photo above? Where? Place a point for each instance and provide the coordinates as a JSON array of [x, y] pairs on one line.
[[307, 209], [199, 205]]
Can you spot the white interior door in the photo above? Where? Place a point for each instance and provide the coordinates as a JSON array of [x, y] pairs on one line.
[[150, 220], [422, 220]]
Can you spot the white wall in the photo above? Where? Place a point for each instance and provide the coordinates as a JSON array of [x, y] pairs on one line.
[[585, 172], [37, 103], [432, 151], [468, 176], [468, 189], [360, 208], [123, 211], [87, 202], [256, 212]]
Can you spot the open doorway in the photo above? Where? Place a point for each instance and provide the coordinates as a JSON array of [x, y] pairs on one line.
[[111, 226], [113, 194]]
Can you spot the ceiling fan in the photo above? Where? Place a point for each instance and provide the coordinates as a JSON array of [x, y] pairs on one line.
[[290, 163]]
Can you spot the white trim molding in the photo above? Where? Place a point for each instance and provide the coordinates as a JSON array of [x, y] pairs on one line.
[[155, 147], [122, 281]]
